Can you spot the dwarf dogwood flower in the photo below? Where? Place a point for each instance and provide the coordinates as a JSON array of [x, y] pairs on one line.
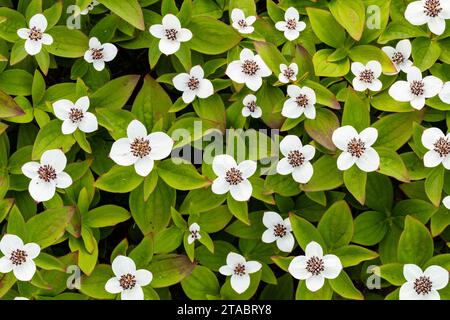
[[89, 7], [128, 281], [47, 175], [278, 230], [194, 233], [431, 12], [232, 177], [439, 145], [288, 73], [170, 33], [366, 76], [446, 202], [239, 269], [292, 26], [140, 149], [75, 116], [250, 69], [241, 23], [21, 298], [301, 100], [35, 36], [98, 53], [250, 107], [423, 285], [18, 257], [356, 148], [400, 55], [314, 267], [192, 84], [444, 95]]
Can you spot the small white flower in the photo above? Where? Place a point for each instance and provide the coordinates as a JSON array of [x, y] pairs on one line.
[[250, 69], [301, 100], [292, 26], [444, 95], [278, 230], [21, 298], [423, 285], [250, 107], [194, 233], [296, 161], [239, 269], [75, 116], [446, 202], [89, 7], [356, 148], [35, 36], [18, 257], [128, 281], [98, 53], [232, 177], [170, 33], [140, 149], [400, 55], [314, 267], [47, 175], [439, 145], [193, 84], [416, 89], [366, 76], [288, 74], [241, 23], [431, 12]]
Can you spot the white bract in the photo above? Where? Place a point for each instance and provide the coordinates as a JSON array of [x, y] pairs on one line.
[[21, 298], [278, 230], [141, 149], [241, 23], [89, 7], [239, 269], [356, 148], [232, 177], [75, 115], [314, 267], [34, 36], [423, 285], [444, 95], [446, 202], [47, 175], [128, 281], [431, 12], [250, 107], [400, 55], [291, 26], [194, 233], [366, 76], [99, 53], [193, 85], [249, 69], [18, 257], [170, 33], [301, 100], [438, 145], [288, 73]]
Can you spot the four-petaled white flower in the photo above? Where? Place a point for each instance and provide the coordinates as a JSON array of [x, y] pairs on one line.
[[241, 23], [296, 161], [232, 177], [301, 100], [193, 84], [170, 33], [444, 95], [194, 233], [366, 76], [400, 55], [89, 7], [250, 107], [35, 36], [431, 12], [423, 285], [18, 257], [75, 116], [250, 69], [278, 230], [128, 281], [356, 148], [439, 145], [99, 53], [292, 26], [47, 175], [239, 269], [288, 74], [314, 267], [141, 149], [446, 202], [416, 89]]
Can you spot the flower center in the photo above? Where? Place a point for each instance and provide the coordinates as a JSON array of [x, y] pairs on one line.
[[76, 115], [291, 24], [18, 257], [432, 8], [239, 269], [171, 34], [195, 234], [398, 58], [140, 147], [252, 106], [423, 285], [279, 230], [417, 88], [193, 83], [356, 147], [302, 100], [442, 146], [127, 281], [289, 73], [47, 173], [315, 265], [250, 67], [234, 176], [97, 54], [35, 34], [242, 23], [295, 158], [367, 76]]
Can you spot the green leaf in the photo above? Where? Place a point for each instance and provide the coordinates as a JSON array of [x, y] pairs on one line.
[[326, 175], [182, 176], [352, 16], [16, 82], [142, 254], [326, 28], [238, 208], [415, 244], [115, 93], [14, 21], [355, 181], [425, 53], [106, 216], [169, 269], [200, 284], [50, 137], [336, 225], [305, 232], [67, 43], [391, 164], [370, 228], [94, 285], [8, 107], [119, 179], [271, 56], [356, 111], [391, 272], [325, 68], [130, 11], [322, 127], [433, 185], [303, 293], [352, 255], [344, 287], [253, 230]]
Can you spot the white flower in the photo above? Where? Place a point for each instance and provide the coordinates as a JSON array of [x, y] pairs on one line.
[[416, 89], [194, 233], [444, 95], [400, 55], [89, 7], [241, 23], [128, 281], [47, 175], [21, 298], [75, 116], [140, 149], [439, 145], [423, 285], [18, 257], [292, 26], [301, 100], [171, 34], [98, 53], [431, 12], [314, 267], [446, 202], [239, 269], [278, 230], [296, 161], [233, 177], [250, 107], [35, 36], [356, 148], [192, 84], [366, 76], [288, 73], [250, 69]]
